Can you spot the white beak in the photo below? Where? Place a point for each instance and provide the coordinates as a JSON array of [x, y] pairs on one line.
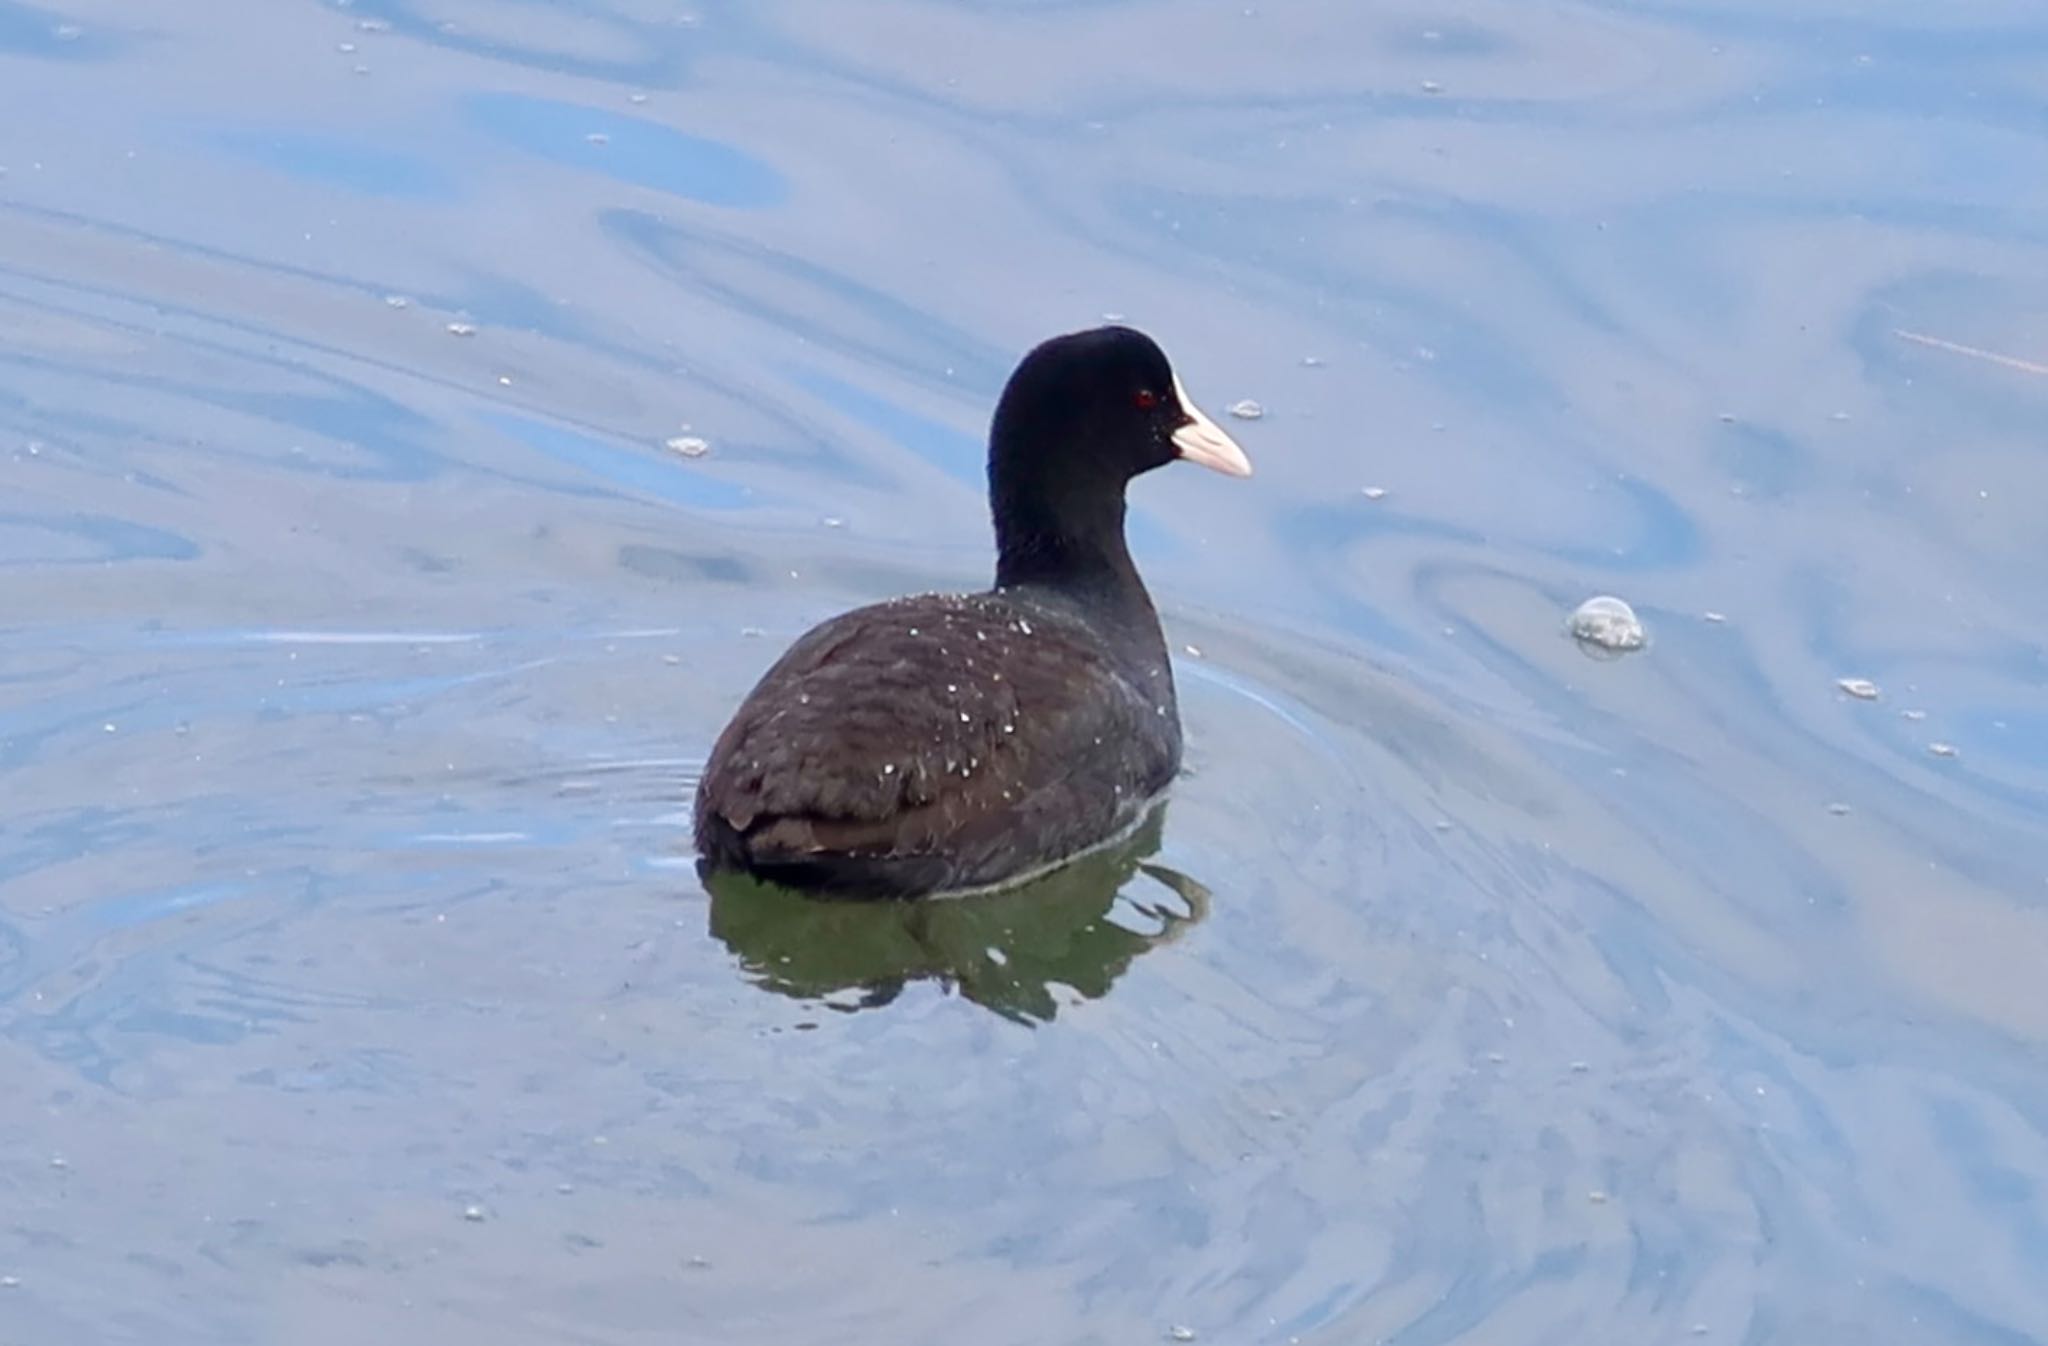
[[1202, 441]]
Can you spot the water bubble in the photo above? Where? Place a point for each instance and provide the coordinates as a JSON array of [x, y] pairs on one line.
[[1863, 689], [473, 1214], [1179, 1333], [1606, 622], [1374, 493], [689, 446], [1246, 410], [462, 329], [1942, 749]]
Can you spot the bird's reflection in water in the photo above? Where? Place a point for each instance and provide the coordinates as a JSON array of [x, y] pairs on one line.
[[1010, 951]]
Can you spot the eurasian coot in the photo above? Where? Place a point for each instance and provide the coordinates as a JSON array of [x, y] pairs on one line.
[[949, 742]]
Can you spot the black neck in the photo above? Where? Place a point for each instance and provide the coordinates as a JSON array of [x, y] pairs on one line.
[[1075, 546]]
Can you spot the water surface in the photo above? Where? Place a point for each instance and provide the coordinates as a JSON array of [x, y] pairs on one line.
[[359, 642]]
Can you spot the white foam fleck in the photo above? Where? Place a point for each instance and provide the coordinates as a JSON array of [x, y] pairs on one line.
[[1608, 623]]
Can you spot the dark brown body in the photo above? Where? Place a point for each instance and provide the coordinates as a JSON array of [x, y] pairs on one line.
[[943, 743]]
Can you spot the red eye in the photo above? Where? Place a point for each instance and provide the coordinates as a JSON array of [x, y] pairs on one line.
[[1145, 399]]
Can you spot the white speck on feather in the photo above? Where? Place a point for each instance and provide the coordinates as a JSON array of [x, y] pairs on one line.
[[888, 768]]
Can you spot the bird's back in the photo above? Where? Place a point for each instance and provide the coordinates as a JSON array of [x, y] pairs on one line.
[[942, 742]]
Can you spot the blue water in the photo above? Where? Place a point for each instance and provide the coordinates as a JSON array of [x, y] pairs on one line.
[[355, 983]]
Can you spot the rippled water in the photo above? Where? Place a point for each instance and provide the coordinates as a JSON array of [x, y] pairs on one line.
[[361, 640]]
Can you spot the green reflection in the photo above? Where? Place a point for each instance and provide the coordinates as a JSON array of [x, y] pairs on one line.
[[1010, 951]]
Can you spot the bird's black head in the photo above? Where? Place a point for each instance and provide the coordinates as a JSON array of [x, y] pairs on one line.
[[1097, 408], [1082, 416]]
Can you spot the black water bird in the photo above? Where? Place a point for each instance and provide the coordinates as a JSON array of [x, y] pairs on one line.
[[950, 742]]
